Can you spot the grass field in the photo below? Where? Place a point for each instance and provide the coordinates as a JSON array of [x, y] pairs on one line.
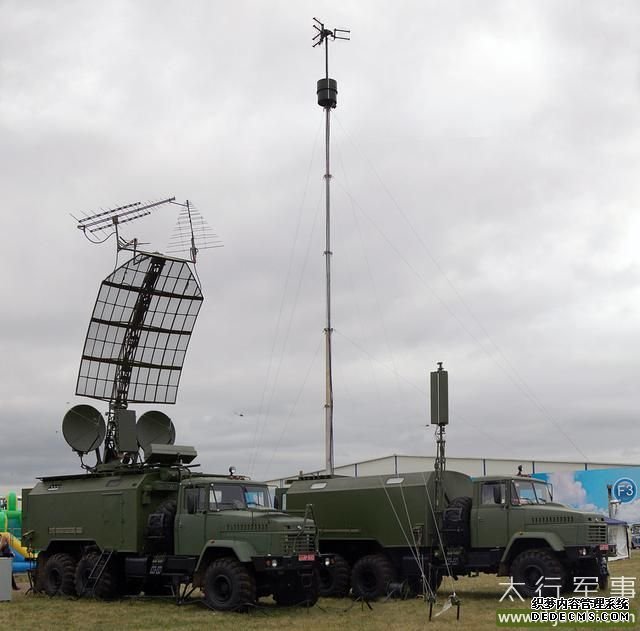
[[479, 597]]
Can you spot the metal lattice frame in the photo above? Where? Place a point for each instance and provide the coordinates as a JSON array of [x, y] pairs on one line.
[[139, 332]]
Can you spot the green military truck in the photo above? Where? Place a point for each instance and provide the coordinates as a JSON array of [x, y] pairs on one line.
[[419, 527], [156, 529], [384, 529]]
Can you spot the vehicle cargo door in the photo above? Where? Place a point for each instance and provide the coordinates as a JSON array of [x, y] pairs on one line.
[[113, 520]]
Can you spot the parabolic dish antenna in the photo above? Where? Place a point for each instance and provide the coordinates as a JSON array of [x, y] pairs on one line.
[[83, 428], [155, 428]]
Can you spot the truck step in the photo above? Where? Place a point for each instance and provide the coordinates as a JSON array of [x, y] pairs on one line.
[[98, 569]]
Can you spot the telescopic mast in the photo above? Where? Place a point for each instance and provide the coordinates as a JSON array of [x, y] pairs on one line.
[[327, 91]]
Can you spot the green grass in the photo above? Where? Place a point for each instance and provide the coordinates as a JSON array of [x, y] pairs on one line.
[[479, 603]]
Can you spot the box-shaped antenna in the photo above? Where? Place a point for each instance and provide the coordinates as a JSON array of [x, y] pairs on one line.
[[440, 396]]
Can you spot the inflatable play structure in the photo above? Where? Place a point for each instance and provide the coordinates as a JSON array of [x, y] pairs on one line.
[[11, 527]]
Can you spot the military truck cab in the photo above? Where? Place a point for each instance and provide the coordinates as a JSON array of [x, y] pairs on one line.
[[233, 517], [517, 529], [497, 509]]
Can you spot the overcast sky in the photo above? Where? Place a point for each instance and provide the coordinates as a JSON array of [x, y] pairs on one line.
[[485, 203]]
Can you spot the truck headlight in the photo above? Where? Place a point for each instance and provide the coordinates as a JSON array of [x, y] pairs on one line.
[[327, 562]]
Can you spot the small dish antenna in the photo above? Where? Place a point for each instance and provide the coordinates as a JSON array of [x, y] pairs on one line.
[[83, 428], [155, 428]]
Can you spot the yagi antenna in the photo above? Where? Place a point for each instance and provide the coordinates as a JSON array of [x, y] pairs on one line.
[[100, 226], [192, 233], [323, 33]]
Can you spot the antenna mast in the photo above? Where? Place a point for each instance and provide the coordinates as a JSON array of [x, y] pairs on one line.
[[440, 417], [327, 91]]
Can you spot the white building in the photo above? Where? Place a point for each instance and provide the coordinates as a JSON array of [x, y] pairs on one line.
[[471, 466]]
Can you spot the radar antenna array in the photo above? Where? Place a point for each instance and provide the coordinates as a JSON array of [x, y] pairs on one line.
[[137, 337]]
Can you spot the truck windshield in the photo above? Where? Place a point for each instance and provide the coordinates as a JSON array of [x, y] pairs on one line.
[[543, 492], [530, 492], [257, 496], [238, 496]]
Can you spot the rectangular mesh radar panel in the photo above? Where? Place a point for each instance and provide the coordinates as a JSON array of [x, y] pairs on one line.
[[139, 332]]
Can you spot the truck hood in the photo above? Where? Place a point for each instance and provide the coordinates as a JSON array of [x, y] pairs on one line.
[[265, 519], [554, 513]]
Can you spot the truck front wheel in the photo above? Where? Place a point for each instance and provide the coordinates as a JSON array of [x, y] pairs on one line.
[[371, 576], [58, 575], [539, 571], [591, 568], [229, 586]]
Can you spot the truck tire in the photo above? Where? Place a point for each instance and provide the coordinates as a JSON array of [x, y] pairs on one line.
[[456, 522], [589, 567], [38, 573], [603, 582], [371, 576], [160, 527], [105, 588], [535, 565], [296, 592], [333, 581], [229, 586], [58, 575]]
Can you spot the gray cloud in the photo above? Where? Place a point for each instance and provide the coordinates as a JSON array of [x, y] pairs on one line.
[[485, 171]]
